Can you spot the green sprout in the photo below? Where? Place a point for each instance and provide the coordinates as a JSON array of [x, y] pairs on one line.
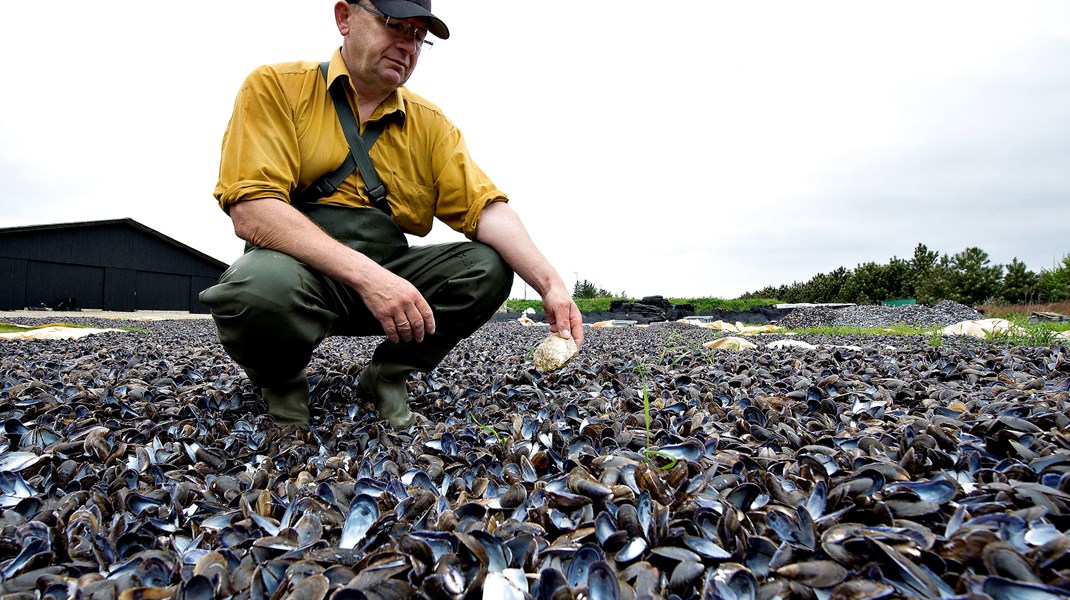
[[936, 338], [489, 430], [649, 452]]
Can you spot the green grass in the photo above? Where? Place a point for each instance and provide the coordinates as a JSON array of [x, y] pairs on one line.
[[711, 304], [701, 304], [522, 305], [11, 328], [1023, 321], [897, 329], [935, 338], [1038, 334]]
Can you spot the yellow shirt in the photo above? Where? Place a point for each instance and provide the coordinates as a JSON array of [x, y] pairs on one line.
[[284, 134]]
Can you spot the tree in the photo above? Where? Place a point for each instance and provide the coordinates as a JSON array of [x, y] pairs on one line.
[[973, 280], [860, 284], [967, 277], [1055, 284], [897, 279], [1019, 283], [778, 292], [872, 282], [926, 276], [825, 287], [934, 284], [589, 290]]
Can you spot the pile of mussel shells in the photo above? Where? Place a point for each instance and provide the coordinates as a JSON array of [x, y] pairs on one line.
[[141, 465]]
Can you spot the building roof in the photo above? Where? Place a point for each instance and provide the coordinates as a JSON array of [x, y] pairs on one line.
[[127, 222]]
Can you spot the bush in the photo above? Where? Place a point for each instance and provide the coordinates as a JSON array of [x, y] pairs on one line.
[[705, 305], [522, 305]]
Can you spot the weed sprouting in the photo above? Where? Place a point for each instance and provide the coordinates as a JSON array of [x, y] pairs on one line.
[[488, 429], [1034, 335], [651, 451], [936, 338]]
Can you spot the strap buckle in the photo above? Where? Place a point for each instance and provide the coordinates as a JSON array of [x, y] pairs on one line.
[[378, 197]]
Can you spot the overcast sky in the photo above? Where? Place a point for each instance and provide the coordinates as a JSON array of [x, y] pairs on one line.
[[709, 151]]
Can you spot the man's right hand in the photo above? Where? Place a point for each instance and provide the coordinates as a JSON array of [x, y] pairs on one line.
[[398, 305]]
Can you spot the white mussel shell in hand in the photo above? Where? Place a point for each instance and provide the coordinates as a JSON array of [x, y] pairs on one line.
[[553, 352]]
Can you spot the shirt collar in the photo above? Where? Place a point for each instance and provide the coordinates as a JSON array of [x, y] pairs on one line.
[[395, 103]]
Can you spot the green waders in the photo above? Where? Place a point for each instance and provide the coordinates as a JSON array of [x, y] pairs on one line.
[[272, 311]]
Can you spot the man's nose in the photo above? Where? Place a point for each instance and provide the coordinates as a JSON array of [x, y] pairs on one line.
[[408, 43]]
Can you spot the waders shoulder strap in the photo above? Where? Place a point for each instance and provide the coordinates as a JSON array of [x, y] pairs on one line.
[[358, 154]]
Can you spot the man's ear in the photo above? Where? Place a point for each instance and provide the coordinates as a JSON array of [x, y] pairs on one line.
[[342, 12]]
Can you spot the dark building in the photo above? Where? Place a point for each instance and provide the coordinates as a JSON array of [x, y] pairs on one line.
[[116, 265]]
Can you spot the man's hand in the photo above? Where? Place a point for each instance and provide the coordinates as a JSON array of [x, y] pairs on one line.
[[563, 315], [399, 307], [394, 302], [500, 228]]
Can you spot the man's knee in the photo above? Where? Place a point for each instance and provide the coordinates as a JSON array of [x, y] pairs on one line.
[[497, 277], [266, 295], [260, 279], [268, 314]]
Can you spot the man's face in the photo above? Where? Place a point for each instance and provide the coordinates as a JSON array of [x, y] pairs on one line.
[[381, 53]]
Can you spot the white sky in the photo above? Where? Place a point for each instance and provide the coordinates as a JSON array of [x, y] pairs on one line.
[[707, 152]]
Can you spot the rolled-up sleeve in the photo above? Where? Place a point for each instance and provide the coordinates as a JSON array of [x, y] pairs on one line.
[[464, 190], [260, 156]]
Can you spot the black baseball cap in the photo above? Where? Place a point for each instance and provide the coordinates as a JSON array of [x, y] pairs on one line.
[[408, 9]]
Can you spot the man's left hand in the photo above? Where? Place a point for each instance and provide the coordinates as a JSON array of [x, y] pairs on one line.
[[563, 315]]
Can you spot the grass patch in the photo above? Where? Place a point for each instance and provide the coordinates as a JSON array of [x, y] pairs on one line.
[[702, 305], [12, 328], [1012, 311], [1040, 334], [1022, 320], [896, 329], [1035, 334]]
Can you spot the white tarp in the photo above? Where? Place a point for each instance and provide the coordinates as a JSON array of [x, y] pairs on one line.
[[730, 343], [53, 332], [740, 327], [983, 328]]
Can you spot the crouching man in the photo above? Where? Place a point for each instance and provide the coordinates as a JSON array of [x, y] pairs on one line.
[[326, 252]]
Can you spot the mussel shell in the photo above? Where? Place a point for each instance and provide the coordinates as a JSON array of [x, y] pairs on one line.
[[814, 573], [580, 564], [363, 512], [632, 550], [602, 582]]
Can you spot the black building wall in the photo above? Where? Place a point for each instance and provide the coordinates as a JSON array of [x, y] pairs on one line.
[[111, 265]]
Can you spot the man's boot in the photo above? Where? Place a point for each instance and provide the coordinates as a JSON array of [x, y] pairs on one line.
[[385, 384], [288, 401]]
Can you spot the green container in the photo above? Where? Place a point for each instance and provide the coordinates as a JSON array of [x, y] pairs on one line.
[[899, 302]]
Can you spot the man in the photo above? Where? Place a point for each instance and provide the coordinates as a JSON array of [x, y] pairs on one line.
[[339, 265]]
